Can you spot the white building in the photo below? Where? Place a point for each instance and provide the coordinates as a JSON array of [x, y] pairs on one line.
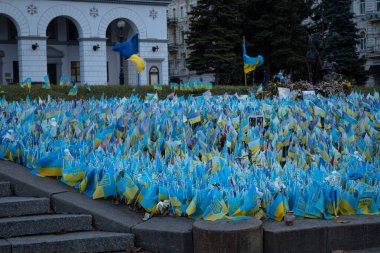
[[75, 39], [178, 25], [367, 19]]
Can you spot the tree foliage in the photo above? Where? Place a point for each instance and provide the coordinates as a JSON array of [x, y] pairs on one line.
[[215, 40], [276, 29], [340, 37]]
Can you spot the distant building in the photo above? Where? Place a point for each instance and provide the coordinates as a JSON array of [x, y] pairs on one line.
[[367, 19], [75, 39], [178, 25]]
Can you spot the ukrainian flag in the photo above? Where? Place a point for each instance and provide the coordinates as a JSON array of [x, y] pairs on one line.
[[46, 84], [150, 199], [50, 166], [73, 174], [194, 117], [251, 63], [127, 187], [87, 186], [73, 91], [129, 50], [277, 210], [27, 83], [217, 209], [106, 187], [140, 64]]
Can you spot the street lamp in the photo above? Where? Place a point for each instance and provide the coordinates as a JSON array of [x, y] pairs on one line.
[[121, 25]]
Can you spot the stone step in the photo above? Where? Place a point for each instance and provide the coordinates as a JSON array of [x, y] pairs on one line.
[[93, 241], [5, 247], [19, 206], [44, 224], [5, 189]]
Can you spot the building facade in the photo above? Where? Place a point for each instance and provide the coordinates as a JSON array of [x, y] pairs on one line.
[[178, 25], [367, 18], [74, 39]]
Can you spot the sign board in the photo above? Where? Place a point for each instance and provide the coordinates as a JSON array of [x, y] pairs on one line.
[[308, 93], [283, 92]]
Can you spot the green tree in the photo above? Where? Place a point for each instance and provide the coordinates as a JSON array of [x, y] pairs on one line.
[[278, 31], [215, 38], [341, 38]]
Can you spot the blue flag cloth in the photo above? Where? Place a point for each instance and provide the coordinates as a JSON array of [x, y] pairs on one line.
[[129, 47]]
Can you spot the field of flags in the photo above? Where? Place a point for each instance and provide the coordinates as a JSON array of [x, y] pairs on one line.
[[207, 157]]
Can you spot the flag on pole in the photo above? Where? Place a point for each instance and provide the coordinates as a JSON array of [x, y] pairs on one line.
[[73, 91], [251, 63], [129, 49]]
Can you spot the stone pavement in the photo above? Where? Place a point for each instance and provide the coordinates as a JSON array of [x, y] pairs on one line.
[[356, 234]]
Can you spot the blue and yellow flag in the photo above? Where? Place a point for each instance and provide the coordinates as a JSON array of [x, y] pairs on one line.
[[129, 49], [251, 63], [50, 166], [106, 187], [73, 91], [46, 84]]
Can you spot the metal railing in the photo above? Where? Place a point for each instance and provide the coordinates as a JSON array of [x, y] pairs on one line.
[[373, 51]]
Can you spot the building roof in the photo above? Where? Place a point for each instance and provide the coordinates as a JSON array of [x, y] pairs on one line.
[[140, 2]]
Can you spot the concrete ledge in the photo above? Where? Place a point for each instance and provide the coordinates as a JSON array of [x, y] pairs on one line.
[[228, 236], [5, 247], [23, 183], [169, 234], [165, 234], [106, 216], [345, 233], [5, 189]]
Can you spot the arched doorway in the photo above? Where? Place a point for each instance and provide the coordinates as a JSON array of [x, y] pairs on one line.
[[9, 65], [63, 58], [119, 70], [154, 75]]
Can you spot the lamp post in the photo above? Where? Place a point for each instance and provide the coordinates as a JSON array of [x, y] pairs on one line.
[[121, 25]]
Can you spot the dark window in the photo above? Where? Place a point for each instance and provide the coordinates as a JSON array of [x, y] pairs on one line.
[[51, 30], [15, 72], [363, 41], [108, 74], [362, 6], [75, 71], [12, 31], [72, 31]]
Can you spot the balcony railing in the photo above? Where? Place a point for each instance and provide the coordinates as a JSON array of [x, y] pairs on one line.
[[172, 47], [372, 16], [172, 20], [373, 52], [174, 72]]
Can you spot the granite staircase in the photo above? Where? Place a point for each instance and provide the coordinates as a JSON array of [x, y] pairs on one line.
[[28, 225]]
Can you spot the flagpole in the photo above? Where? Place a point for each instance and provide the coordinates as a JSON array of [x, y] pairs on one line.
[[138, 81], [245, 76]]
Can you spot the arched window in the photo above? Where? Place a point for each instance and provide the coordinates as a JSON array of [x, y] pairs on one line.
[[174, 13], [154, 75], [362, 6], [363, 41]]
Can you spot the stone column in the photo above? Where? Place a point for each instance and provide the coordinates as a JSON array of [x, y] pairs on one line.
[[93, 63], [32, 59]]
